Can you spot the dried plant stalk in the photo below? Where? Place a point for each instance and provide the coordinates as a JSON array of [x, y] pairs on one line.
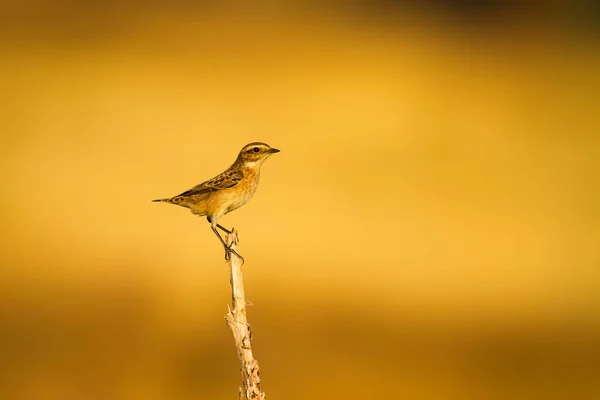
[[238, 323]]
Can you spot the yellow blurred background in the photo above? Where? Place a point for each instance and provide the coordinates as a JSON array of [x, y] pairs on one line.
[[429, 230]]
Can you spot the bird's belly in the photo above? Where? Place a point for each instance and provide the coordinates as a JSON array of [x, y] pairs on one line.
[[224, 201]]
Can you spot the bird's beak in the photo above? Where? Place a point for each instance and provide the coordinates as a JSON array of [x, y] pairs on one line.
[[274, 150]]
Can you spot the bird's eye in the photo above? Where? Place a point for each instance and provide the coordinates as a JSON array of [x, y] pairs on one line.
[[256, 149]]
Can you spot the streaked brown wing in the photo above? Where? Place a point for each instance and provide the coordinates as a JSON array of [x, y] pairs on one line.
[[227, 179]]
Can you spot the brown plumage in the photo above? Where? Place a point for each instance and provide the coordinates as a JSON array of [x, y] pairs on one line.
[[227, 191]]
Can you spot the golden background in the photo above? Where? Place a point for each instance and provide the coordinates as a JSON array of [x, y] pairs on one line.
[[429, 230]]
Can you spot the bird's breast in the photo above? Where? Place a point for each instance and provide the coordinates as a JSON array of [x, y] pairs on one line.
[[239, 195], [247, 185]]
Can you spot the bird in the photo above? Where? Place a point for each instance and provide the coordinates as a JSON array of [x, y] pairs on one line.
[[227, 191]]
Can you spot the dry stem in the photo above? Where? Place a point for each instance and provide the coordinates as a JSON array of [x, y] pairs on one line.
[[242, 334]]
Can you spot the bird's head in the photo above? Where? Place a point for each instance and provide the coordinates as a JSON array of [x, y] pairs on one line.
[[255, 153]]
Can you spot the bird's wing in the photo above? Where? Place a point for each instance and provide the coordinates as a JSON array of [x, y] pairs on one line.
[[227, 179]]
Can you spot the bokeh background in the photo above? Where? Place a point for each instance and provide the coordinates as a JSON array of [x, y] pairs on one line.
[[430, 229]]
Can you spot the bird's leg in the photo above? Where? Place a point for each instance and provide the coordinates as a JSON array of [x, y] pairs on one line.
[[224, 229], [228, 250], [209, 219]]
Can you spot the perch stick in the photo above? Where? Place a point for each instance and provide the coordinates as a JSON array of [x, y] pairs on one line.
[[238, 323]]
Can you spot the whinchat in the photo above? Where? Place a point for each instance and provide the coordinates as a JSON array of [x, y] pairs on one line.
[[227, 191]]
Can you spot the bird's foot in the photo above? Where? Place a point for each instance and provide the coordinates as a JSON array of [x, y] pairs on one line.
[[229, 251]]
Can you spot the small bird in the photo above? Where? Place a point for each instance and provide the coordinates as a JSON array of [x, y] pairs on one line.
[[227, 191]]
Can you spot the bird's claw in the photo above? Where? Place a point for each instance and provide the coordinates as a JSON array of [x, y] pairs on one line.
[[229, 250]]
